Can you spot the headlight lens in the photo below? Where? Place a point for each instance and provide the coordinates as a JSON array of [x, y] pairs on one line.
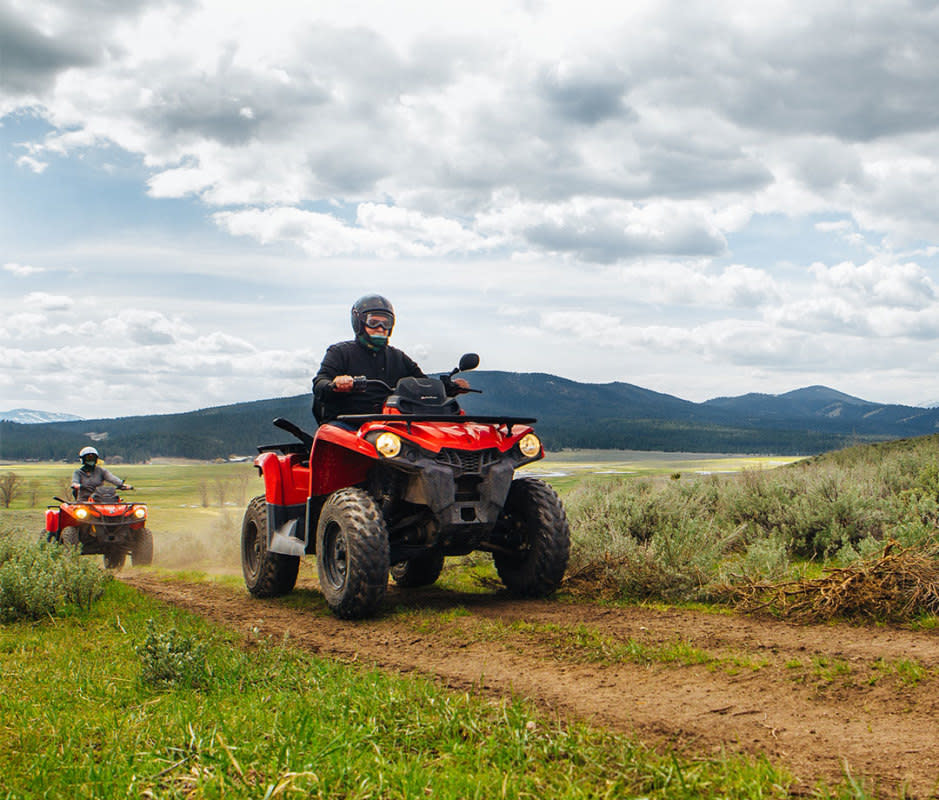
[[81, 513], [388, 444], [140, 512], [529, 445]]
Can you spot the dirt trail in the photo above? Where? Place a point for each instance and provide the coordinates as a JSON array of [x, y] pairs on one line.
[[812, 698]]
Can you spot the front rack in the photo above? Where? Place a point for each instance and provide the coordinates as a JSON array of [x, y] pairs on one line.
[[509, 422]]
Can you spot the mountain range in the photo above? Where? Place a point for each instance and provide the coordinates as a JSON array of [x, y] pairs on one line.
[[30, 416], [570, 415]]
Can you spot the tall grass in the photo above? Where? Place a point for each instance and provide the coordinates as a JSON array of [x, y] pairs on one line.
[[671, 539]]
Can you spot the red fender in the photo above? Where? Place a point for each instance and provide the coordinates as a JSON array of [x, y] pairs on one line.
[[52, 520], [286, 480]]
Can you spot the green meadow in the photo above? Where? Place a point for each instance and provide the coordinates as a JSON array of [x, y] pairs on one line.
[[131, 698], [195, 508]]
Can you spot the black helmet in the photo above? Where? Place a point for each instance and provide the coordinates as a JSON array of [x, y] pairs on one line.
[[362, 307]]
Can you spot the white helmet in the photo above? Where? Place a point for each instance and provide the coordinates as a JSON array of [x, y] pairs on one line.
[[88, 451]]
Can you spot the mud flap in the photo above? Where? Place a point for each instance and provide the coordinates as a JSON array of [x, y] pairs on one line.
[[288, 536]]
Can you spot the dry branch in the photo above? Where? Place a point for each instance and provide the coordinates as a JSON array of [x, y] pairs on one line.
[[899, 585]]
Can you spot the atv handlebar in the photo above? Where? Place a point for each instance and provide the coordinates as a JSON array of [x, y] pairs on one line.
[[360, 383], [468, 361]]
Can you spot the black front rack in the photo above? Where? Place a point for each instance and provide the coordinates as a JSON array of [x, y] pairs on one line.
[[509, 422]]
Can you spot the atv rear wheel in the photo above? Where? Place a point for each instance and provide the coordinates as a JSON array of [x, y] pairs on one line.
[[535, 539], [266, 574], [421, 570], [142, 554], [352, 553]]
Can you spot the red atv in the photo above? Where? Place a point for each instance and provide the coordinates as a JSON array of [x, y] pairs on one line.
[[103, 524], [400, 491]]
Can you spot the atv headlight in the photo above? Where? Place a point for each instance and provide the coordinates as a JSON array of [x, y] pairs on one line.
[[140, 512], [529, 445], [388, 444], [81, 513]]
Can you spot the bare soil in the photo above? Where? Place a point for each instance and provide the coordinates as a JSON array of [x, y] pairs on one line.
[[821, 700]]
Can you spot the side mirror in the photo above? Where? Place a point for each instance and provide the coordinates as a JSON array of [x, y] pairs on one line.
[[468, 361]]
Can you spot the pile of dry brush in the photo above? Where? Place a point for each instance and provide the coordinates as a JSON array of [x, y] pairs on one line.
[[898, 586]]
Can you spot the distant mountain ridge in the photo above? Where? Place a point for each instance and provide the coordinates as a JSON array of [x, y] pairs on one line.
[[818, 403], [570, 415], [30, 416]]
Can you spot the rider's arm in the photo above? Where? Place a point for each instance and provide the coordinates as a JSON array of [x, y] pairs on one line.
[[411, 369], [112, 478], [332, 366]]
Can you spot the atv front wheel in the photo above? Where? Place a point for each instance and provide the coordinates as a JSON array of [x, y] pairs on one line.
[[266, 574], [142, 554], [69, 536], [421, 570], [533, 538], [352, 554]]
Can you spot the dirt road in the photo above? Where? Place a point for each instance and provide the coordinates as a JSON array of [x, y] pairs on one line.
[[812, 698]]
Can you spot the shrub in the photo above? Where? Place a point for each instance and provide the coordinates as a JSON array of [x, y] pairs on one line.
[[672, 539], [171, 658], [45, 579]]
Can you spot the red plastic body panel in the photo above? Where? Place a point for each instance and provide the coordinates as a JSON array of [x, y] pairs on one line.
[[64, 515], [286, 482], [52, 520], [343, 457], [435, 436]]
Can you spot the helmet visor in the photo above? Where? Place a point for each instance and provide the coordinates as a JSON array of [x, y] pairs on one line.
[[377, 320]]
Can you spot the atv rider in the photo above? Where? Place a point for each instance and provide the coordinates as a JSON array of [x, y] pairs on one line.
[[89, 476], [369, 354]]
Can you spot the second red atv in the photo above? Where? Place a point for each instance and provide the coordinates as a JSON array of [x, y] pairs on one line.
[[399, 491], [104, 524]]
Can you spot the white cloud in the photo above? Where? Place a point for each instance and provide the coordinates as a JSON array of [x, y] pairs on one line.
[[22, 270], [48, 302], [378, 230], [32, 164]]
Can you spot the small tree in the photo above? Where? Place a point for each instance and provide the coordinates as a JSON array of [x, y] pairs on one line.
[[9, 487], [33, 488], [243, 481], [221, 488]]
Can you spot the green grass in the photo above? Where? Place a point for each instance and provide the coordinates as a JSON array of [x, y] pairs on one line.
[[260, 718], [79, 720]]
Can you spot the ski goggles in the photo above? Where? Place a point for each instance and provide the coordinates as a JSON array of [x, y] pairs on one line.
[[382, 321]]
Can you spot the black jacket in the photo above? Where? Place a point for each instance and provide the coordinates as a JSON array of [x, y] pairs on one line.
[[353, 358]]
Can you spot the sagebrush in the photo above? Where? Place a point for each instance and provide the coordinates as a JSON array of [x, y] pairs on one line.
[[45, 579], [676, 539]]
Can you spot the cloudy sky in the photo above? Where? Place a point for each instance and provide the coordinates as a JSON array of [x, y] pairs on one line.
[[701, 198]]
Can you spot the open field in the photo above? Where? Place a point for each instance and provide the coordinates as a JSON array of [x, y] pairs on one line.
[[708, 702], [566, 468], [196, 507]]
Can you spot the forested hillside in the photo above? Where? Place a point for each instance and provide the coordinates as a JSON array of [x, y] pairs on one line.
[[570, 414]]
